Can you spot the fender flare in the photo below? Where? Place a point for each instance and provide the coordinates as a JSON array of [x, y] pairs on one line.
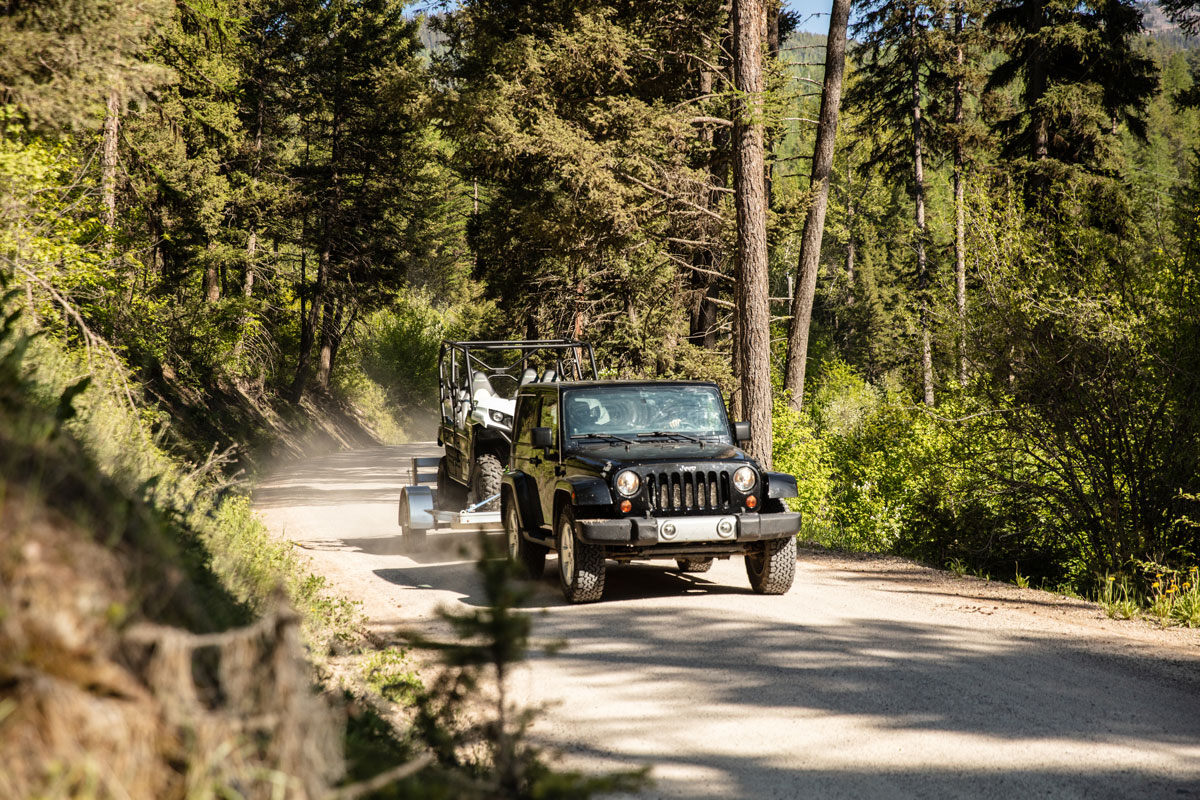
[[780, 485], [524, 489], [582, 490]]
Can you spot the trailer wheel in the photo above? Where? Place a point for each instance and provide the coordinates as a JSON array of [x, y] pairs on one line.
[[413, 538], [485, 482]]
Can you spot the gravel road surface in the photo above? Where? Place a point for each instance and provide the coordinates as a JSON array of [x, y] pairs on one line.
[[872, 678]]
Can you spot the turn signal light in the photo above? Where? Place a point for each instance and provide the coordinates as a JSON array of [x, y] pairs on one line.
[[626, 506], [751, 501]]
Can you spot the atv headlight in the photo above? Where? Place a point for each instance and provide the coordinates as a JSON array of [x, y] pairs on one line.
[[501, 418], [744, 479], [628, 482]]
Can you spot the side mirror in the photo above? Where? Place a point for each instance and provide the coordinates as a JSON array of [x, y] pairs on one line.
[[543, 438], [741, 432]]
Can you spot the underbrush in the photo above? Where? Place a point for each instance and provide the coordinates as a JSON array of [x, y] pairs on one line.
[[960, 485]]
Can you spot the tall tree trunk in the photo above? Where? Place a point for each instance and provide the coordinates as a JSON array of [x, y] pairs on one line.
[[703, 321], [331, 326], [773, 44], [814, 222], [960, 227], [850, 247], [212, 278], [753, 288], [308, 328], [919, 205], [108, 158]]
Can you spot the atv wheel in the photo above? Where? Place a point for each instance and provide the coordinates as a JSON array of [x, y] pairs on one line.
[[771, 567], [580, 565], [531, 557], [485, 483], [694, 564]]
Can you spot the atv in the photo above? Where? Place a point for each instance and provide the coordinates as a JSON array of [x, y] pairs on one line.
[[478, 382]]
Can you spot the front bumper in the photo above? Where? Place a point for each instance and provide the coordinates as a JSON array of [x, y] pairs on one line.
[[706, 530]]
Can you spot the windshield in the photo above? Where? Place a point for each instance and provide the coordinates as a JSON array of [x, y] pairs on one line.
[[629, 412]]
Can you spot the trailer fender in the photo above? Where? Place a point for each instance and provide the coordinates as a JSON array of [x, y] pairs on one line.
[[416, 508]]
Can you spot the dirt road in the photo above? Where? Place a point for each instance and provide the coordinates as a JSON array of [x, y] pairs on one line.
[[872, 678]]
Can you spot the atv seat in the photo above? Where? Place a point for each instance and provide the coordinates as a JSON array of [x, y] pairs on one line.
[[480, 385], [528, 376], [549, 376]]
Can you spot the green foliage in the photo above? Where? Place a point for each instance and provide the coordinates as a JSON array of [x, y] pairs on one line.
[[799, 451], [390, 672]]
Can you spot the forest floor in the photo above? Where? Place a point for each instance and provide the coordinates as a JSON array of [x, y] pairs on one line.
[[873, 676]]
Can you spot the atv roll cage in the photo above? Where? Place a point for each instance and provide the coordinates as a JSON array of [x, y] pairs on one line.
[[501, 367]]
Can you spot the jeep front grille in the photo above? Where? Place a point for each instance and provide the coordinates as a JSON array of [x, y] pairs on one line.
[[685, 492]]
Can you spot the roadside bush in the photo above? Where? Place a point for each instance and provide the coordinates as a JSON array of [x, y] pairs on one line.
[[799, 451]]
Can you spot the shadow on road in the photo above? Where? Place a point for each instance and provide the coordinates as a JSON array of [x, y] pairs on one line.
[[902, 677]]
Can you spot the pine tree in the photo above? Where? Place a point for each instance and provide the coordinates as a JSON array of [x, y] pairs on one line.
[[1079, 74], [890, 98]]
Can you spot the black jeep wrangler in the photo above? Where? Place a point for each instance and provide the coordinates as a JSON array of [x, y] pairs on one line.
[[630, 470]]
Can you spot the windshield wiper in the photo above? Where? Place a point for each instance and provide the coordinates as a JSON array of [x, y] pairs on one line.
[[605, 436], [685, 436]]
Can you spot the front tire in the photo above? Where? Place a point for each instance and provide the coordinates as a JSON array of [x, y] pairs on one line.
[[580, 565], [772, 566], [531, 557], [485, 482], [694, 564]]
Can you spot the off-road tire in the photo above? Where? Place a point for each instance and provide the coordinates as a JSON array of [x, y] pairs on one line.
[[486, 475], [580, 565], [694, 564], [771, 567], [531, 556], [451, 495]]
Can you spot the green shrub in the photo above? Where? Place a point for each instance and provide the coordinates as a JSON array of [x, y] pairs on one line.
[[798, 451]]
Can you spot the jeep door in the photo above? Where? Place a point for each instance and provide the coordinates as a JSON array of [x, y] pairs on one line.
[[524, 457], [547, 470]]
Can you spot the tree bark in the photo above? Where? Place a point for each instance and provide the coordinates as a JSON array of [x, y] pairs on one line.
[[919, 206], [108, 158], [331, 324], [814, 222], [308, 328], [212, 279], [850, 248], [960, 227], [753, 289]]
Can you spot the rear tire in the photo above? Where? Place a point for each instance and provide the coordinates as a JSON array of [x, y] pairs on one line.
[[580, 565], [772, 566], [694, 564], [531, 557], [485, 482]]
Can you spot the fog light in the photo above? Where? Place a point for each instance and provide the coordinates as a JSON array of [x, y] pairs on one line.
[[668, 530], [725, 527], [626, 506], [751, 501]]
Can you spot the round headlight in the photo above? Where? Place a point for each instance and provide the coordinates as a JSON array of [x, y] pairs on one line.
[[744, 479], [628, 483]]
